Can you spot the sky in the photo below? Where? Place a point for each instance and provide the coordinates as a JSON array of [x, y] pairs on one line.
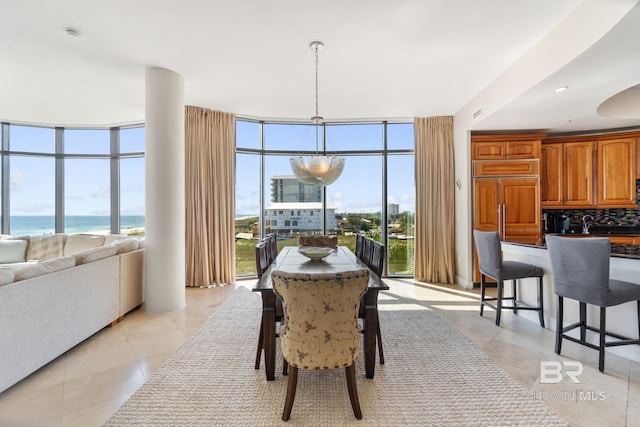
[[359, 188], [87, 183]]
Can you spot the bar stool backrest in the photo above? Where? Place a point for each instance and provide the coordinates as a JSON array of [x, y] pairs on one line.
[[580, 267], [489, 253]]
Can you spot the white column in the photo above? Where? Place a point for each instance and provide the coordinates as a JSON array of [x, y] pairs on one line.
[[164, 192]]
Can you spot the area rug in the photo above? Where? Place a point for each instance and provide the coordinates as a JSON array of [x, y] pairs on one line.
[[433, 375]]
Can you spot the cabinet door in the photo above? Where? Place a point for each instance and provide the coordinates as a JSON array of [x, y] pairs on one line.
[[521, 207], [487, 199], [488, 150], [578, 174], [616, 172], [551, 179], [522, 150]]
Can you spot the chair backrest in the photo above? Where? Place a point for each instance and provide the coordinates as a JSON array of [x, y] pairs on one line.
[[580, 267], [318, 241], [273, 246], [262, 262], [320, 328], [489, 253], [359, 245], [367, 250], [378, 257]]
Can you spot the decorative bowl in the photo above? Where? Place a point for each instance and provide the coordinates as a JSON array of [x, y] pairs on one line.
[[315, 253]]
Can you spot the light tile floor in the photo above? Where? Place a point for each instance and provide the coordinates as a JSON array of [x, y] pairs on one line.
[[90, 382]]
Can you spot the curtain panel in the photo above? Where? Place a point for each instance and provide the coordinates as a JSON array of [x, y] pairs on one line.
[[435, 205], [210, 193]]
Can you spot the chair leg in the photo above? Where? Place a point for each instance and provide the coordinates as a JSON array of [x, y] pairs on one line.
[[540, 302], [291, 393], [583, 321], [559, 325], [285, 367], [603, 322], [499, 302], [260, 345], [638, 303], [483, 283], [350, 372], [515, 295], [380, 351]]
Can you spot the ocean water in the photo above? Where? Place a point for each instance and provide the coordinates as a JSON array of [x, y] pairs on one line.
[[32, 225]]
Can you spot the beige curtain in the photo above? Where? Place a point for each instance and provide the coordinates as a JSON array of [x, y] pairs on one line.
[[210, 193], [435, 210]]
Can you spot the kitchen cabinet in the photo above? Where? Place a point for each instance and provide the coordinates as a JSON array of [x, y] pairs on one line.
[[616, 173], [566, 175], [509, 205], [506, 147]]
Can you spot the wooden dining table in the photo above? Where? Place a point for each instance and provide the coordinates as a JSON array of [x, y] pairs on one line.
[[341, 260]]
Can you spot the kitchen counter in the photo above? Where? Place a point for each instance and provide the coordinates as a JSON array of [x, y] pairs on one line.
[[619, 250], [624, 265]]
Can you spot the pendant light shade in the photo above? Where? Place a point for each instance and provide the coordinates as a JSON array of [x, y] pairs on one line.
[[317, 169]]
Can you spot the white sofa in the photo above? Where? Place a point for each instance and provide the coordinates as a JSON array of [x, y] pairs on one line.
[[64, 289]]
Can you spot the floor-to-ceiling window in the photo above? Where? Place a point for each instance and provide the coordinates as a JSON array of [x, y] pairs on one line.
[[71, 180], [374, 195]]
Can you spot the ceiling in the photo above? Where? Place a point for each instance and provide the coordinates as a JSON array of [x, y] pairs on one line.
[[382, 60]]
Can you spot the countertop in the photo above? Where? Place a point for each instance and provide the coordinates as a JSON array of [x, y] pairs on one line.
[[617, 249]]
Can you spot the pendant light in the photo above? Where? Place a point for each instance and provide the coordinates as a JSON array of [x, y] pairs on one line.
[[317, 169]]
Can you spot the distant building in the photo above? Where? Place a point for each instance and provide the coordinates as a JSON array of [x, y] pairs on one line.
[[298, 218], [287, 189], [393, 209]]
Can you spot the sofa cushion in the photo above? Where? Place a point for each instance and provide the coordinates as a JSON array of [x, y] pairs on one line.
[[111, 238], [94, 254], [44, 247], [79, 242], [126, 245], [13, 250], [44, 267], [6, 275]]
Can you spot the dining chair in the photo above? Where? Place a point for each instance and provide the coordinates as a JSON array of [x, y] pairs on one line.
[[273, 246], [580, 270], [376, 264], [367, 250], [262, 265], [359, 245], [318, 241], [320, 328], [491, 265]]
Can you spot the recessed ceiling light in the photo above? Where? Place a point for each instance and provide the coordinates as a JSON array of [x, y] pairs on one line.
[[560, 89], [73, 33]]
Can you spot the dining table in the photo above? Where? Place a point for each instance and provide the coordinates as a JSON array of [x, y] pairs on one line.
[[290, 260]]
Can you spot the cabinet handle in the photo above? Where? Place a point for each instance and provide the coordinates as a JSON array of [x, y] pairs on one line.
[[504, 221]]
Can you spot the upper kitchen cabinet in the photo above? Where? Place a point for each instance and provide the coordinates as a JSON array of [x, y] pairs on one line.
[[566, 174], [616, 173], [506, 147], [589, 171]]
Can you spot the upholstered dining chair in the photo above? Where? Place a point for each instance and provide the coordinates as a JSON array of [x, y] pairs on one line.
[[491, 265], [272, 246], [318, 241], [367, 250], [580, 270], [320, 328]]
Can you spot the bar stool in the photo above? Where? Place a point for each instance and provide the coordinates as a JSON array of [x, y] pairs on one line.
[[580, 269], [491, 265]]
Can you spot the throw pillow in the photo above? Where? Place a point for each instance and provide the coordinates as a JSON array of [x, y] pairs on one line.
[[79, 242], [44, 247], [13, 251]]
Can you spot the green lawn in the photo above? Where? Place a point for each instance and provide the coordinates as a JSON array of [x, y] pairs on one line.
[[246, 264]]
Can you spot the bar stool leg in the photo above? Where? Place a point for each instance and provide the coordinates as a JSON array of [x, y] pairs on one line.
[[514, 284], [499, 302], [540, 302], [483, 284], [603, 317], [583, 321], [559, 325]]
